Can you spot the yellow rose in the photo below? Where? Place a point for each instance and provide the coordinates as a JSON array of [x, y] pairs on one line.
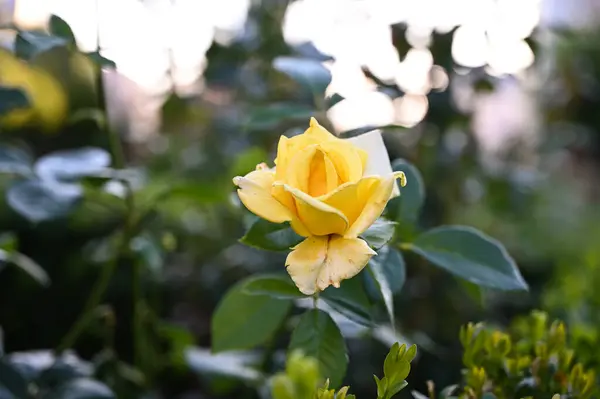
[[49, 102], [331, 191]]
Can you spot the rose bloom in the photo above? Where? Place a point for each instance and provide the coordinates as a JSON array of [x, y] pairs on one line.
[[330, 190]]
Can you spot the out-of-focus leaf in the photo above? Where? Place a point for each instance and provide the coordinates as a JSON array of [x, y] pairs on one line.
[[15, 160], [379, 233], [271, 116], [275, 285], [308, 72], [470, 254], [13, 381], [28, 44], [318, 336], [37, 201], [60, 28], [69, 165], [180, 340], [406, 207], [82, 388], [246, 161], [236, 364], [350, 300], [12, 98], [150, 252], [26, 264], [243, 321], [100, 60], [271, 236]]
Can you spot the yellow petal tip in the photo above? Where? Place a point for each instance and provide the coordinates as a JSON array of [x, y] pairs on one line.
[[236, 180], [313, 122], [402, 177]]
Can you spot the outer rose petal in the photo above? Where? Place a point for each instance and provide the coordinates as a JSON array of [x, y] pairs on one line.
[[318, 262], [375, 201], [318, 218], [378, 161], [255, 193]]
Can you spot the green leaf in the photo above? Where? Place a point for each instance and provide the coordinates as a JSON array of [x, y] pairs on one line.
[[37, 201], [418, 395], [396, 387], [271, 116], [318, 336], [448, 391], [407, 206], [333, 100], [82, 388], [380, 233], [29, 44], [246, 161], [271, 236], [278, 286], [308, 72], [14, 160], [232, 364], [70, 165], [350, 300], [13, 380], [389, 272], [26, 264], [470, 254], [243, 321], [60, 28], [100, 60], [12, 98]]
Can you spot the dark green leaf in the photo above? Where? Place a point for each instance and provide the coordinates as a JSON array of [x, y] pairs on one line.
[[59, 28], [11, 99], [27, 265], [69, 165], [318, 336], [379, 233], [275, 285], [13, 380], [350, 300], [472, 255], [15, 160], [389, 272], [271, 116], [29, 44], [232, 364], [309, 73], [38, 201], [271, 236], [390, 263], [418, 395], [150, 253], [448, 391], [333, 100], [83, 388], [243, 321], [407, 206], [100, 60]]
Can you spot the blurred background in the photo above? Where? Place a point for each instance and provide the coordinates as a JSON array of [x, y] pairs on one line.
[[496, 102]]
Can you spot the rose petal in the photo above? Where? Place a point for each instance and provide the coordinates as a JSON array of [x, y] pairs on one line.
[[350, 198], [318, 262], [378, 161], [375, 202], [319, 218]]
